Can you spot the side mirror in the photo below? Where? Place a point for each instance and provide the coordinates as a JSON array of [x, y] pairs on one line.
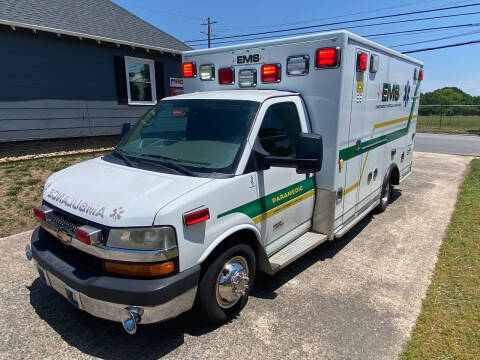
[[309, 153], [125, 128]]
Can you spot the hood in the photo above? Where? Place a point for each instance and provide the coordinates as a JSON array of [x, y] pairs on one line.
[[115, 195]]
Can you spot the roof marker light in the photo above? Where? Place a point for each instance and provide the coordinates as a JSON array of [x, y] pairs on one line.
[[327, 58], [271, 73], [195, 217], [226, 76], [189, 69], [362, 59]]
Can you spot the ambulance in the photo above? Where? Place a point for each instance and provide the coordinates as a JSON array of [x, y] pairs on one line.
[[274, 148]]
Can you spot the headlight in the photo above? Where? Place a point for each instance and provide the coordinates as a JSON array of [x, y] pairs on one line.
[[151, 238]]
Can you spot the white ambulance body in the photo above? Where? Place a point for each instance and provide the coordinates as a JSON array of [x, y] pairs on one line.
[[232, 176]]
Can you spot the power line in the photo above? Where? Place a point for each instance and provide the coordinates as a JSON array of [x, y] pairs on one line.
[[442, 47], [351, 27], [437, 39], [341, 22], [326, 18], [166, 12]]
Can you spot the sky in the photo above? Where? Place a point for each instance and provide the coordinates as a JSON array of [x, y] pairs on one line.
[[456, 66]]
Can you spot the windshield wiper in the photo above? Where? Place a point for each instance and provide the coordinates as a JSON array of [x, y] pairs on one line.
[[178, 168], [177, 160], [125, 159]]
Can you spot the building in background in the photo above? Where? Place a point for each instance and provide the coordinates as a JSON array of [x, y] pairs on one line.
[[79, 68]]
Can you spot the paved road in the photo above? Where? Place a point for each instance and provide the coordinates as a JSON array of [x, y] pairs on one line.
[[448, 144], [354, 298]]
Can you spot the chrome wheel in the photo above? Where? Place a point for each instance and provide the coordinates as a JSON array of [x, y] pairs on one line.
[[232, 282]]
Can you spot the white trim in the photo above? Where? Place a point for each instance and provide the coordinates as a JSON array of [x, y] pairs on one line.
[[151, 64], [86, 36]]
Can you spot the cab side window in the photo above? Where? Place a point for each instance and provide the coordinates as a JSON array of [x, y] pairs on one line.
[[280, 128]]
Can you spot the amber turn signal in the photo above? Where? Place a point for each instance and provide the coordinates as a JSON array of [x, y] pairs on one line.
[[140, 269]]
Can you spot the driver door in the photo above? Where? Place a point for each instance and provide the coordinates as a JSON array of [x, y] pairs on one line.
[[286, 198]]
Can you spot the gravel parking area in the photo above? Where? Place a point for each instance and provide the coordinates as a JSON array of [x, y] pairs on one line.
[[354, 298]]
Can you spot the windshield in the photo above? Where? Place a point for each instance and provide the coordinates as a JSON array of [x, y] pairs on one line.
[[201, 135]]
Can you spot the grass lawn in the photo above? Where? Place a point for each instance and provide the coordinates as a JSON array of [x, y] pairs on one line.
[[458, 124], [449, 324], [21, 187]]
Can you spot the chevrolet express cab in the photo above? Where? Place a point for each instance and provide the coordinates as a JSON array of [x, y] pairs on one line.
[[275, 147]]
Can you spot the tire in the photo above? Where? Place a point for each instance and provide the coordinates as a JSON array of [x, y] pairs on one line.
[[217, 303], [385, 197]]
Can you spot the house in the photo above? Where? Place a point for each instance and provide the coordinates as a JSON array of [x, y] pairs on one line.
[[76, 68]]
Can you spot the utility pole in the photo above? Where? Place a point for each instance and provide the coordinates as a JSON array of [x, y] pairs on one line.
[[209, 32]]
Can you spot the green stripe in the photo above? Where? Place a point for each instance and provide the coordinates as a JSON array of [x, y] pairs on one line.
[[266, 203], [351, 152]]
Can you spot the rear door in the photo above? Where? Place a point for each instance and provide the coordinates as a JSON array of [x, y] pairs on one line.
[[286, 198]]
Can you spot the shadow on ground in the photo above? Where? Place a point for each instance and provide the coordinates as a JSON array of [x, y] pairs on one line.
[[107, 339]]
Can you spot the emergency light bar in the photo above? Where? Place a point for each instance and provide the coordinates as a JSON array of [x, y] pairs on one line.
[[298, 65], [207, 72], [271, 73], [226, 76], [327, 58], [247, 78], [362, 59], [189, 69], [420, 75]]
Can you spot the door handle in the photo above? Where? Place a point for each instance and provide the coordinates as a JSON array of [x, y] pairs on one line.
[[358, 144]]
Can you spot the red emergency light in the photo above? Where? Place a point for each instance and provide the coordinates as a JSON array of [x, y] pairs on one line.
[[420, 75], [226, 76], [362, 59], [189, 69], [327, 57], [39, 214], [271, 73], [196, 217], [83, 236]]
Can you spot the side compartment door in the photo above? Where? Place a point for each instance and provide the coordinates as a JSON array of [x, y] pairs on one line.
[[353, 154], [285, 197]]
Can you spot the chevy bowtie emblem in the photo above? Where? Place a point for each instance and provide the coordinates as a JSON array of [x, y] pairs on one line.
[[117, 213]]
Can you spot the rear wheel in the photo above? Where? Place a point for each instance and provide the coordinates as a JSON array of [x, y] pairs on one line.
[[225, 286], [385, 196]]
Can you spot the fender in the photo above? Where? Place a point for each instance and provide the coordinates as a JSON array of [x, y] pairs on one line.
[[228, 233], [391, 170]]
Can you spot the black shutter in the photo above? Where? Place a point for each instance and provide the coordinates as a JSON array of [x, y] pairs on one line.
[[121, 79], [159, 84]]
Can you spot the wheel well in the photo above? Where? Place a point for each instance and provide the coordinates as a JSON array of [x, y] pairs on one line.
[[394, 176], [244, 236]]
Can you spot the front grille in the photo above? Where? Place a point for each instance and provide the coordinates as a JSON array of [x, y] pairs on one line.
[[61, 222]]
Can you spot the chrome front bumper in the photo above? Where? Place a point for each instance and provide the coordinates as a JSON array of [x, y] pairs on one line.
[[113, 311]]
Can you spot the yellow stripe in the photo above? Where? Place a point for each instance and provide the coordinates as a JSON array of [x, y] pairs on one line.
[[391, 122], [282, 207]]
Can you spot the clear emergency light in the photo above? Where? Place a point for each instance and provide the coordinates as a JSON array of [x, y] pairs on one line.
[[189, 69], [207, 72], [226, 76], [271, 73], [327, 58], [362, 59], [247, 78], [298, 65]]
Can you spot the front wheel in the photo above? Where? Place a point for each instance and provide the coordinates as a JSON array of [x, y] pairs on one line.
[[224, 288]]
